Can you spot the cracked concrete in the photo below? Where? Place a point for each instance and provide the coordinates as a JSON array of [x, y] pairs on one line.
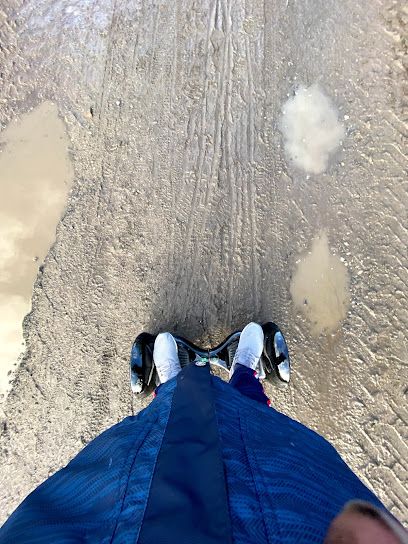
[[185, 215]]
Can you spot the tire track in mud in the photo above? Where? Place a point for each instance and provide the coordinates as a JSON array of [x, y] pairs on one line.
[[222, 167], [194, 215], [250, 181], [113, 144], [386, 429], [227, 166], [171, 147], [384, 446], [201, 154]]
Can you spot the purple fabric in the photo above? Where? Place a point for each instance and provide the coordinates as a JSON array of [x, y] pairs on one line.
[[247, 384]]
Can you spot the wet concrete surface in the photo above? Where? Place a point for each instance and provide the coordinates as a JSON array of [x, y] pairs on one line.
[[186, 215]]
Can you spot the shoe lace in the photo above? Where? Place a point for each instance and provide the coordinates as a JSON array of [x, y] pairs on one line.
[[246, 358]]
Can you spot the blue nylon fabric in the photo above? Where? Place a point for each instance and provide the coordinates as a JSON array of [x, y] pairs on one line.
[[285, 483], [100, 496], [243, 379], [188, 501]]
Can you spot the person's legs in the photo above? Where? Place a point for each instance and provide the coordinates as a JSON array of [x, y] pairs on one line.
[[245, 370], [245, 381], [246, 367]]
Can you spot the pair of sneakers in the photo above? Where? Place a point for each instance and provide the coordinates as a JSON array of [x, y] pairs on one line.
[[249, 351]]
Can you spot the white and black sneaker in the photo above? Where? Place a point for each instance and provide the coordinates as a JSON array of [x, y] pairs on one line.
[[249, 350], [165, 357]]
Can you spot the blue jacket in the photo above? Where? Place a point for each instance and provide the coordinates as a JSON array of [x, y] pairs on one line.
[[203, 465]]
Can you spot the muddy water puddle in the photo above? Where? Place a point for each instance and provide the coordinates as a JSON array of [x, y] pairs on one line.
[[35, 177], [320, 287]]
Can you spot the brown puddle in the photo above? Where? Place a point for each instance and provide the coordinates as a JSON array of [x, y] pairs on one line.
[[35, 177], [320, 287]]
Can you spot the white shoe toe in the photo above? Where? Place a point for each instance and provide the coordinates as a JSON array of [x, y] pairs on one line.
[[165, 356]]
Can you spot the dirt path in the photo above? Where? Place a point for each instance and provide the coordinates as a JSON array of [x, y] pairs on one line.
[[185, 215]]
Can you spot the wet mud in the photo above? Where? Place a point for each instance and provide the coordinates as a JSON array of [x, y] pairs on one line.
[[35, 177], [188, 213], [320, 287]]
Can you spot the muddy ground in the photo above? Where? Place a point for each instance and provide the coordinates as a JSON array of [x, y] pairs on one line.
[[184, 213]]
